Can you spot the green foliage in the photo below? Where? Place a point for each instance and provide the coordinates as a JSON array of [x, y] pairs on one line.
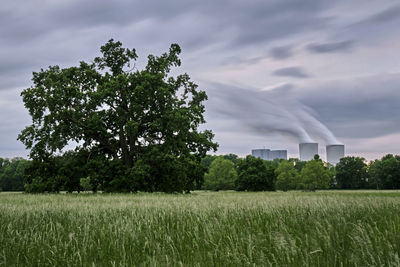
[[288, 177], [232, 157], [85, 184], [385, 173], [41, 176], [207, 160], [332, 180], [351, 173], [315, 176], [56, 173], [122, 119], [11, 174], [298, 165], [255, 174], [221, 175]]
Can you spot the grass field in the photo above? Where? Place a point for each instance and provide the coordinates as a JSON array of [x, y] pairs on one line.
[[330, 228]]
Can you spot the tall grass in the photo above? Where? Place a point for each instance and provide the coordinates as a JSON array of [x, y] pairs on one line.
[[201, 229]]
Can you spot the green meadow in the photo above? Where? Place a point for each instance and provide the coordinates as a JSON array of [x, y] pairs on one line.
[[326, 228]]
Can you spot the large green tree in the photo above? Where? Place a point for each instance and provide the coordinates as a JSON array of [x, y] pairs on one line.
[[142, 122]]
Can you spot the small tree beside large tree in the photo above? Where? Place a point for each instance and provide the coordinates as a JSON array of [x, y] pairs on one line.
[[221, 175], [138, 128]]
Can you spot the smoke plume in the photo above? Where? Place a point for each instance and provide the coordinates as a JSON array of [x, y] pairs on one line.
[[269, 111]]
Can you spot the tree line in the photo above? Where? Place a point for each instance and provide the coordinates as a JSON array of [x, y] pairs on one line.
[[230, 172], [69, 172]]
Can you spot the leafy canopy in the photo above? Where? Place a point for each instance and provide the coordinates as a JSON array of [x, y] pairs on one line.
[[351, 173], [255, 174], [385, 173], [287, 176], [221, 175], [314, 175], [121, 113]]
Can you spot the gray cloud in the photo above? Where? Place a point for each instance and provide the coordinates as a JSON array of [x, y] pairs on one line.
[[389, 14], [330, 47], [295, 72], [247, 23], [281, 52], [235, 32], [265, 112], [363, 107]]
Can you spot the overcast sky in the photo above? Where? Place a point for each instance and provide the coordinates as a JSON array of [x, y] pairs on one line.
[[276, 71]]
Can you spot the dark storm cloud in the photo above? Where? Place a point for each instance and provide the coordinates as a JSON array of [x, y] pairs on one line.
[[75, 20], [281, 52], [64, 32], [295, 72], [246, 23], [330, 47]]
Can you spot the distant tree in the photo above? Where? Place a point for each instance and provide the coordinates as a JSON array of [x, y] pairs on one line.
[[12, 174], [298, 165], [41, 176], [255, 174], [317, 157], [221, 175], [85, 184], [207, 160], [287, 176], [145, 123], [385, 173], [351, 173], [232, 157], [332, 180], [315, 176]]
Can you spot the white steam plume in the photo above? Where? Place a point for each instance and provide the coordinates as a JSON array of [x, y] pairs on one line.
[[268, 111]]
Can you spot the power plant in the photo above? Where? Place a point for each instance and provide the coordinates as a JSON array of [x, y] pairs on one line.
[[334, 153], [268, 154], [307, 151]]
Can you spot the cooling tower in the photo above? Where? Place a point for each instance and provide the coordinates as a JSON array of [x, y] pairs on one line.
[[334, 153], [307, 151]]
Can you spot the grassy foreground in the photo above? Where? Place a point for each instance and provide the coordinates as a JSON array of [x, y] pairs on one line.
[[201, 229]]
